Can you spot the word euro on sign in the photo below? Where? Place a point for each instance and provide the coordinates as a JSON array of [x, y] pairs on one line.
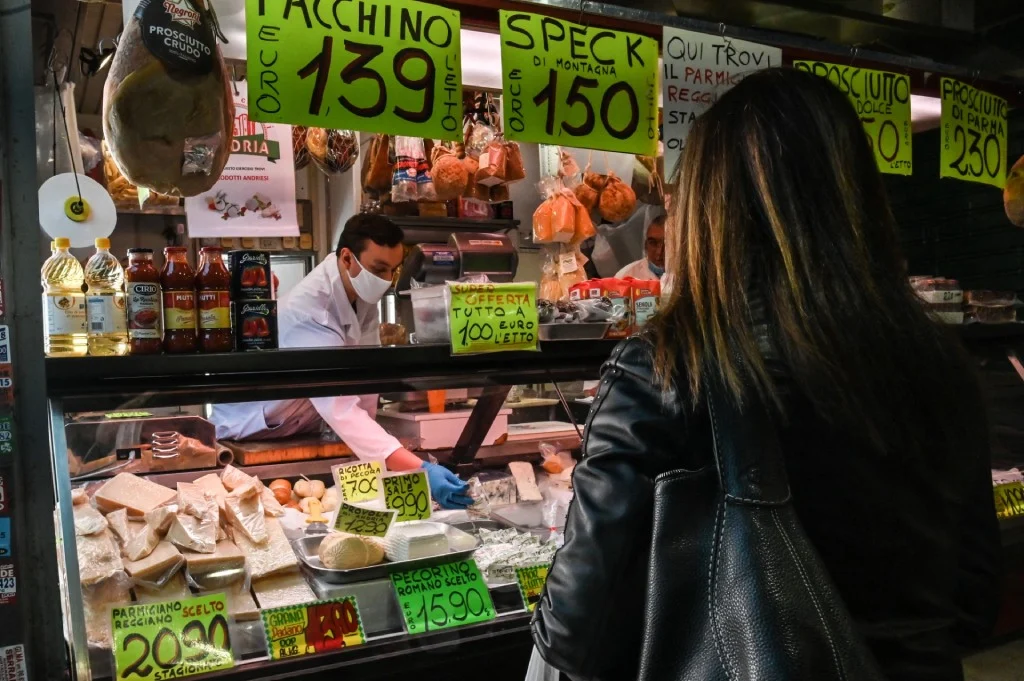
[[376, 65]]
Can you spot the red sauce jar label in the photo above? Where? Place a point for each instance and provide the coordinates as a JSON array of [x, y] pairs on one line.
[[180, 310], [214, 310], [144, 309]]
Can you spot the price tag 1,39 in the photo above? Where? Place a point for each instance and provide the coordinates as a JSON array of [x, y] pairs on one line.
[[409, 495], [492, 317], [1009, 500], [171, 639], [359, 481], [443, 597], [364, 521], [311, 628], [578, 86], [973, 145], [531, 584], [376, 65]]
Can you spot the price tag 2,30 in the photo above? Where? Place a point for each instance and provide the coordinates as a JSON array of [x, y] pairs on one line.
[[1009, 500], [409, 494], [311, 628], [443, 597], [359, 481], [531, 584], [171, 639], [973, 144], [364, 521]]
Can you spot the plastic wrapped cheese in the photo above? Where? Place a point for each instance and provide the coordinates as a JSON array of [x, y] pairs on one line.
[[79, 496], [194, 534], [157, 567], [245, 513], [142, 542], [232, 478], [271, 506], [175, 588], [97, 601], [281, 590], [212, 483], [526, 481], [339, 551], [409, 541], [88, 520], [98, 557], [160, 518], [225, 557], [132, 493], [241, 605], [118, 522], [271, 557]]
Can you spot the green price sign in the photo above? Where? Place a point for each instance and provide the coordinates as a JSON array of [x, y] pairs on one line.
[[127, 415], [443, 597], [1009, 500], [973, 134], [311, 628], [578, 86], [531, 584], [409, 494], [377, 65], [171, 639], [359, 481], [882, 100], [492, 317], [364, 521]]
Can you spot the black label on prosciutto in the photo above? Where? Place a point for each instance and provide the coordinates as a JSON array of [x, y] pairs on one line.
[[177, 34]]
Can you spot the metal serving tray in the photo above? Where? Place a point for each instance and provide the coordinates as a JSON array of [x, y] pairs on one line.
[[580, 331]]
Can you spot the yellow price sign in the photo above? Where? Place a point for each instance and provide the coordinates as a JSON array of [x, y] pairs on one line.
[[409, 495], [1009, 500], [531, 581], [493, 317], [359, 481], [364, 521], [973, 134], [311, 628]]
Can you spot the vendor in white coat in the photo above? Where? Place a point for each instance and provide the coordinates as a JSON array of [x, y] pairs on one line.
[[333, 307], [653, 265]]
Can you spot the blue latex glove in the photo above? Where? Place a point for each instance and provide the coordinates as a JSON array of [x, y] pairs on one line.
[[446, 487]]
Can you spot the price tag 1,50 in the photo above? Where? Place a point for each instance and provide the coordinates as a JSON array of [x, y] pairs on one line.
[[409, 494], [359, 481], [171, 639], [310, 628], [973, 144], [364, 521], [531, 584], [443, 597]]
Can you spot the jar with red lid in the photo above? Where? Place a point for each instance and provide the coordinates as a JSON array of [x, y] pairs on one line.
[[213, 285], [178, 280]]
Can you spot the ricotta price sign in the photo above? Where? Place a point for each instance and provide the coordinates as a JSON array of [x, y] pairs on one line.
[[378, 65], [973, 134], [578, 86], [493, 317], [359, 481], [311, 628], [443, 597], [882, 100]]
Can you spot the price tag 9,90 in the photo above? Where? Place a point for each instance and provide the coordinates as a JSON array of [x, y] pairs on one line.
[[409, 494], [443, 597], [973, 145], [359, 481], [171, 639]]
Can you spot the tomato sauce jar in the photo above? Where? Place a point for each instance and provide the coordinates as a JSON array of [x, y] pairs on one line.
[[213, 285], [178, 280]]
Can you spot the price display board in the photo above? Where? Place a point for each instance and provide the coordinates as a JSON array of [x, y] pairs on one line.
[[359, 481], [378, 65], [443, 597], [171, 639], [311, 628], [1009, 500], [364, 521], [973, 134], [697, 68], [531, 584], [882, 100], [409, 495], [578, 86], [493, 317]]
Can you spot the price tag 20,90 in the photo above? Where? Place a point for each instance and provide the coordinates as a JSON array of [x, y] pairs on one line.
[[364, 521], [531, 584], [359, 481], [310, 628], [409, 494], [973, 145], [171, 639], [443, 597]]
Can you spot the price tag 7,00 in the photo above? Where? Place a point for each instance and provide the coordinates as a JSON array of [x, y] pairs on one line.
[[310, 628], [171, 639], [359, 481], [443, 597], [531, 584], [364, 521], [409, 494]]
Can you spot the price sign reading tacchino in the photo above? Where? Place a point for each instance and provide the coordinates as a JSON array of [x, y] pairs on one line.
[[364, 521], [359, 481], [531, 584], [1009, 500], [882, 100], [172, 639], [492, 317], [377, 65], [311, 628], [578, 86], [973, 134], [443, 597], [409, 495]]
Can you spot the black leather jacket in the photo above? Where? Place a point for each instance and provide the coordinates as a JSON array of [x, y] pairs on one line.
[[912, 548]]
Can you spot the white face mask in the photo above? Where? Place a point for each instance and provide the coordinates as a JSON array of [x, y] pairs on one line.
[[369, 287]]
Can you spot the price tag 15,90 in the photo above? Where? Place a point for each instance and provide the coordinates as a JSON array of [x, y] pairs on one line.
[[443, 597], [171, 639], [973, 144], [578, 86], [376, 65], [409, 494], [1009, 500], [531, 584], [359, 481], [364, 521], [310, 628]]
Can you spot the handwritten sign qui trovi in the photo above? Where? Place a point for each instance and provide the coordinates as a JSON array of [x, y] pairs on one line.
[[171, 639], [531, 584], [311, 628], [409, 494], [973, 134], [1009, 500], [493, 317], [443, 597], [364, 521], [578, 86], [882, 100], [359, 481], [697, 69], [378, 65]]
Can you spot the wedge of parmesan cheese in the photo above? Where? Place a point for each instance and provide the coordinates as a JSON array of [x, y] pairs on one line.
[[118, 522], [141, 543], [175, 589], [132, 493], [234, 478], [273, 556], [281, 590], [211, 483], [164, 559], [245, 513], [194, 534], [241, 605], [98, 557], [227, 556], [88, 520], [160, 518], [96, 601], [526, 481], [79, 496]]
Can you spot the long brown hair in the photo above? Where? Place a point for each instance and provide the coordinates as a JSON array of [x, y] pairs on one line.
[[781, 220]]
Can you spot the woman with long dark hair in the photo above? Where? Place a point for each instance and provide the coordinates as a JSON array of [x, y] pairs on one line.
[[789, 298]]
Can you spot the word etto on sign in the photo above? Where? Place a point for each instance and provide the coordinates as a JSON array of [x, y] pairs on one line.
[[375, 65], [973, 134]]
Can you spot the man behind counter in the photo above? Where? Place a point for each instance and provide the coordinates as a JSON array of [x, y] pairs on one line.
[[333, 307]]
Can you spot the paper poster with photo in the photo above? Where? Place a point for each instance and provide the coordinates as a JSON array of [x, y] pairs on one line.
[[255, 195]]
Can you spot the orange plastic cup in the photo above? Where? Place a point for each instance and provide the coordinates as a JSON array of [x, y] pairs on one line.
[[435, 401]]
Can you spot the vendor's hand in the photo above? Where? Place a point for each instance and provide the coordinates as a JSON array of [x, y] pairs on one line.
[[446, 487]]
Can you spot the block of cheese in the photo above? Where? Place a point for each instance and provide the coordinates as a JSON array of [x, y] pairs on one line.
[[526, 481], [194, 534], [97, 601], [118, 521], [160, 518], [132, 493], [195, 501], [498, 487], [271, 506], [98, 557], [88, 520], [245, 513], [409, 541], [227, 556], [339, 551], [211, 483], [175, 589], [241, 605], [281, 590], [272, 557], [141, 543], [79, 496], [164, 559], [234, 478]]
